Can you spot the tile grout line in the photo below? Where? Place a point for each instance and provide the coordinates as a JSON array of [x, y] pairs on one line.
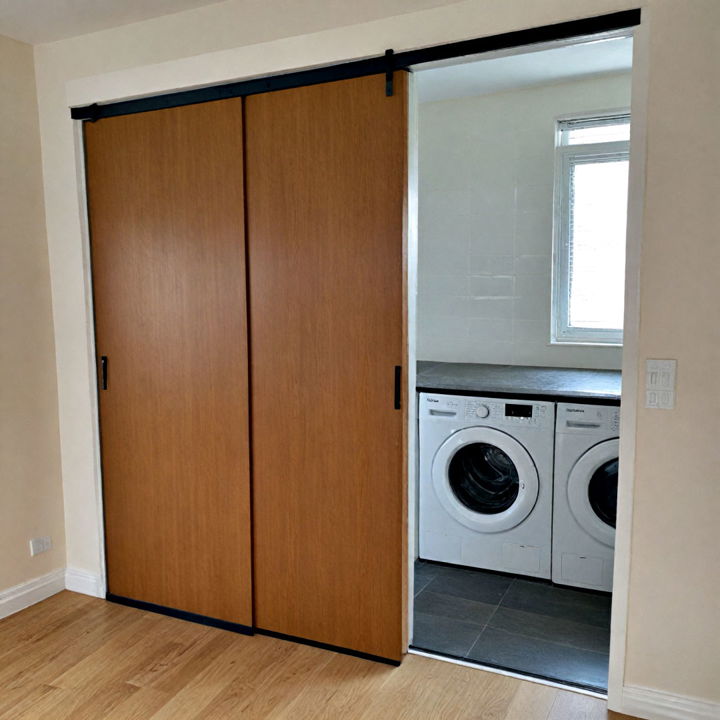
[[507, 590], [560, 645], [533, 637], [492, 615], [423, 588], [565, 646], [477, 640], [552, 642], [528, 637]]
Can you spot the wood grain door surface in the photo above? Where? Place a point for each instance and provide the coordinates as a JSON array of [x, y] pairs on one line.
[[165, 193], [325, 171]]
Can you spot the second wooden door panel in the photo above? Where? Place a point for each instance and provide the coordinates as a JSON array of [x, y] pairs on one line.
[[325, 169]]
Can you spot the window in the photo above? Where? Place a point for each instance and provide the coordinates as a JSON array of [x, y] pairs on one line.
[[591, 187]]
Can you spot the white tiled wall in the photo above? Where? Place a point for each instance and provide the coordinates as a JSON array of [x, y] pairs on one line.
[[485, 225]]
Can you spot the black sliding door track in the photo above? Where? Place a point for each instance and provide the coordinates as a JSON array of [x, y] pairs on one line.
[[386, 63]]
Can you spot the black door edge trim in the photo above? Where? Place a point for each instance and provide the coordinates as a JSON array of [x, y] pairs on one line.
[[359, 68], [241, 629], [327, 646], [180, 614]]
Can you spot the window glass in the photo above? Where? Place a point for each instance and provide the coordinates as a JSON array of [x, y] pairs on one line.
[[598, 214], [615, 132], [591, 191]]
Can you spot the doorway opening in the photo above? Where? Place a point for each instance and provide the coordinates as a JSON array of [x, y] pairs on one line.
[[522, 190]]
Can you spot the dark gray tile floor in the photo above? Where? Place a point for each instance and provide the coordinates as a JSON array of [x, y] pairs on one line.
[[529, 626]]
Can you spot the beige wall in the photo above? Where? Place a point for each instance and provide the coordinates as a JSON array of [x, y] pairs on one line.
[[674, 608], [674, 582], [30, 483]]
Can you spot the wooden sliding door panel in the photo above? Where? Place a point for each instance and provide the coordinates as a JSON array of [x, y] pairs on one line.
[[325, 176], [165, 192]]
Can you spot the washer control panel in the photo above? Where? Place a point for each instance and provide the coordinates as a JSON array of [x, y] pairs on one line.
[[577, 418], [497, 412]]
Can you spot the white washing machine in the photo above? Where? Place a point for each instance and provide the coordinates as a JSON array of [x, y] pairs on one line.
[[486, 482], [586, 479]]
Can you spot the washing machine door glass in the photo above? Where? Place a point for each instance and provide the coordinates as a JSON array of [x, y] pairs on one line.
[[602, 492], [485, 479], [592, 491]]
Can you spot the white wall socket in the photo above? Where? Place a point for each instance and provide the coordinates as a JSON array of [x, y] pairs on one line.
[[660, 384], [40, 545]]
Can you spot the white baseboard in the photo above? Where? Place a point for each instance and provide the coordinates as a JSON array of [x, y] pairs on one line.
[[33, 591], [657, 705], [81, 581]]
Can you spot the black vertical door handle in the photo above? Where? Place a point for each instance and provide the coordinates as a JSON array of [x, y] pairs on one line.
[[103, 372], [398, 386]]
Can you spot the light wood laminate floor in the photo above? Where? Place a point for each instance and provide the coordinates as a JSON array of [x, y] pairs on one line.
[[81, 658]]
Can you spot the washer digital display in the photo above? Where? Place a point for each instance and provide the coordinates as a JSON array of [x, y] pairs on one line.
[[523, 411]]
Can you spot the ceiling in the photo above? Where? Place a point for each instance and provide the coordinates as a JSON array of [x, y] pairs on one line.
[[39, 21], [538, 67], [42, 21]]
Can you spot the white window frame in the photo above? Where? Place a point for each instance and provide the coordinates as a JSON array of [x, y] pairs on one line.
[[566, 157]]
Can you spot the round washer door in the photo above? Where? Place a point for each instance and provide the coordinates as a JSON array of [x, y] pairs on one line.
[[592, 491], [485, 479]]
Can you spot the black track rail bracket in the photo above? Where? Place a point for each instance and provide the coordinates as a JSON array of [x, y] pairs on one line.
[[389, 71]]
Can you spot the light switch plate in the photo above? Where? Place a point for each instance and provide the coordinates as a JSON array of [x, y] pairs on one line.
[[660, 384]]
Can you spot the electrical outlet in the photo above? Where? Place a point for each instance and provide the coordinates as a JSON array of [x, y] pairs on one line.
[[40, 545]]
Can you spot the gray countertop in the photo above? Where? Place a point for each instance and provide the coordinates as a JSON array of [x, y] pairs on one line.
[[519, 380]]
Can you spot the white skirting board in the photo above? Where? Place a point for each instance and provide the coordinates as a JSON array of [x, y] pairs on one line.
[[81, 581], [657, 705], [33, 591]]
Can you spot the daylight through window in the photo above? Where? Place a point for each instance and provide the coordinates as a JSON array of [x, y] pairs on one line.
[[590, 226]]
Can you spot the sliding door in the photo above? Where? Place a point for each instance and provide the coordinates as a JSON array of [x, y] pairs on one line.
[[325, 168], [165, 192]]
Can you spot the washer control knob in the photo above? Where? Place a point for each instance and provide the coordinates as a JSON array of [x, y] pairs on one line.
[[482, 411]]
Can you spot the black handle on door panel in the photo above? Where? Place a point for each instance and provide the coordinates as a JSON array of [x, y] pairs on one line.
[[103, 372], [398, 386]]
